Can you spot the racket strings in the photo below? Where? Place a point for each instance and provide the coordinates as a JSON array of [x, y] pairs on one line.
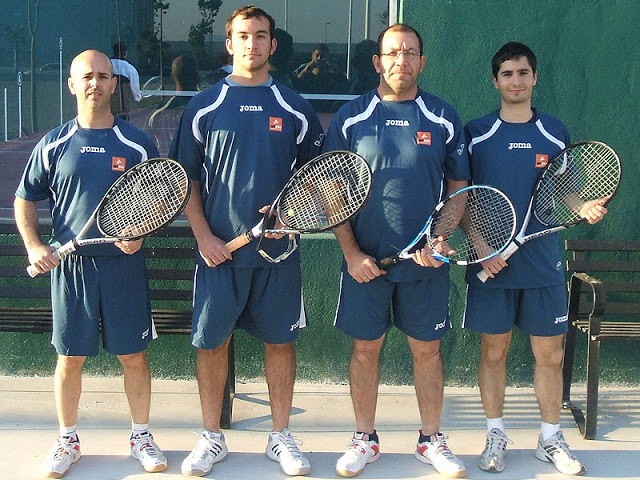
[[476, 224], [586, 172], [326, 194], [150, 197]]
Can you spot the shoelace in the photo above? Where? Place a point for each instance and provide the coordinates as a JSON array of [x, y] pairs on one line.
[[144, 444], [498, 443], [560, 446], [61, 451], [206, 445], [290, 443], [63, 448], [442, 447], [358, 445]]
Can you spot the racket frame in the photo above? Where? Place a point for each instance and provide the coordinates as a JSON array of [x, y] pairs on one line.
[[80, 241], [259, 231], [520, 239], [406, 252]]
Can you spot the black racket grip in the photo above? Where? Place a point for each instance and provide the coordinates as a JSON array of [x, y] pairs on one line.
[[387, 262]]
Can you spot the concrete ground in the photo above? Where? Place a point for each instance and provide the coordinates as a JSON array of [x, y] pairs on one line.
[[322, 419]]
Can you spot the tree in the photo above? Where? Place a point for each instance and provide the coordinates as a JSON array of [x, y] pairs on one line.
[[160, 8], [151, 47], [14, 35], [198, 33], [33, 8]]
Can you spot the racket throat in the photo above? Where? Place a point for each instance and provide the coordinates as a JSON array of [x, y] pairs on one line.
[[66, 249], [256, 231]]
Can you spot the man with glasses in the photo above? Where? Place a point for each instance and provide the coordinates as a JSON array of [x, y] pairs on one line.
[[414, 144]]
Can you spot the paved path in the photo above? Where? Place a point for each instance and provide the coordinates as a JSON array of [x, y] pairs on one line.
[[322, 419]]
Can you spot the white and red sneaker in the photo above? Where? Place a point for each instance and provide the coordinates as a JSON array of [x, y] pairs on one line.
[[362, 450]]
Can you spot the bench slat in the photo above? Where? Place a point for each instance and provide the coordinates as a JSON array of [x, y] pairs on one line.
[[602, 266], [612, 308], [603, 245]]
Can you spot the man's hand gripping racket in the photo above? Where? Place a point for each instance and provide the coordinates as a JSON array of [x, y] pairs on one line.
[[145, 199], [574, 187], [323, 194], [471, 225]]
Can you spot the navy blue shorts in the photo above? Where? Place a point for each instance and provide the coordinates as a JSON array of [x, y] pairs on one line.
[[536, 311], [420, 308], [90, 293], [266, 302]]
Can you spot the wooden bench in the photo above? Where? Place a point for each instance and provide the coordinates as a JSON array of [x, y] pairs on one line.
[[605, 306], [25, 303]]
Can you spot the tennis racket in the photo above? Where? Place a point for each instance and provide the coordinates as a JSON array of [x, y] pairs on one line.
[[324, 193], [583, 172], [472, 224], [146, 198], [152, 87]]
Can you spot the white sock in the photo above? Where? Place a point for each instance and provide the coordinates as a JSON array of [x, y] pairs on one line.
[[69, 431], [548, 430], [211, 435], [495, 423], [139, 427]]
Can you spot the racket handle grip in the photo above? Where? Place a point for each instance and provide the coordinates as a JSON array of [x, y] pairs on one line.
[[239, 242], [387, 262], [246, 238], [60, 253], [505, 255], [32, 271]]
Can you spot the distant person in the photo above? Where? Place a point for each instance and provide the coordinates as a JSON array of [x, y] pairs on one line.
[[320, 74], [128, 82], [100, 291], [165, 119], [227, 66], [364, 75], [279, 61]]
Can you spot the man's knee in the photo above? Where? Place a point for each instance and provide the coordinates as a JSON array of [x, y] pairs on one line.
[[134, 360]]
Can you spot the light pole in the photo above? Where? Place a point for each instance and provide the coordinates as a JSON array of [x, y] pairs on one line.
[[325, 31]]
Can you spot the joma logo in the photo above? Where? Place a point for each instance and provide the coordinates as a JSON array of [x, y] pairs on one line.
[[397, 123], [250, 108], [89, 149], [519, 145]]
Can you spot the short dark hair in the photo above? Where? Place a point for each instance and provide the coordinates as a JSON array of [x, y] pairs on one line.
[[250, 11], [399, 27], [513, 51], [119, 49], [322, 48], [284, 51], [184, 70]]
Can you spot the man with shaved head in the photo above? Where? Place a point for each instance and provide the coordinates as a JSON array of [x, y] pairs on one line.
[[99, 289]]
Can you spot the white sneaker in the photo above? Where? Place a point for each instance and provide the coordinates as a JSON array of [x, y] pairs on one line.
[[209, 450], [492, 458], [282, 448], [437, 453], [146, 451], [64, 453], [361, 451], [556, 451]]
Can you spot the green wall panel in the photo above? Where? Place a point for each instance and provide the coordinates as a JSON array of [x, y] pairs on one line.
[[589, 75]]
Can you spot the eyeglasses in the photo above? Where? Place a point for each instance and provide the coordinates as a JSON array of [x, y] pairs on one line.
[[410, 54]]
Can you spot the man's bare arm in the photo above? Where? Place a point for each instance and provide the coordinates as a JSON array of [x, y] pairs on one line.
[[40, 254]]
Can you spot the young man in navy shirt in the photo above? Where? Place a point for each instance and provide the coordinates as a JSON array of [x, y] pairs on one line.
[[240, 141], [528, 291]]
